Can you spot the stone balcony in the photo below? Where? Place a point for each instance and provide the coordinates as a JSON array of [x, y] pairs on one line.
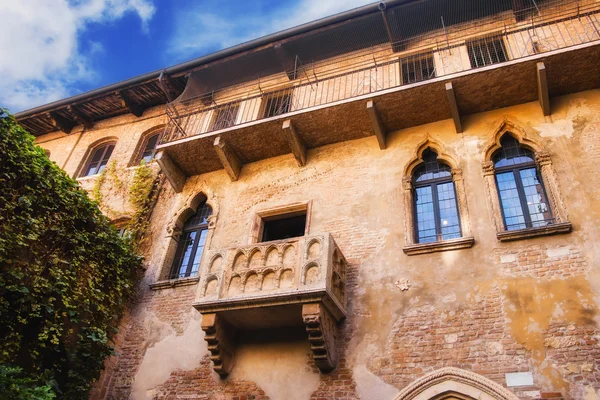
[[272, 285]]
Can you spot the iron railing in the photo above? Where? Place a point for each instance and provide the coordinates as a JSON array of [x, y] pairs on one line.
[[379, 68]]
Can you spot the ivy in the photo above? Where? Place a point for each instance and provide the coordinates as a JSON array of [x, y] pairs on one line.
[[65, 274]]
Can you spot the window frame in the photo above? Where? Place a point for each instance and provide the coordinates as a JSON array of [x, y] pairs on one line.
[[486, 41], [86, 167], [516, 169], [143, 148], [257, 226], [275, 97], [417, 58], [233, 108], [433, 183], [178, 261]]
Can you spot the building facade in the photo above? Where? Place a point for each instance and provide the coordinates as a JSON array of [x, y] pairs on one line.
[[396, 202]]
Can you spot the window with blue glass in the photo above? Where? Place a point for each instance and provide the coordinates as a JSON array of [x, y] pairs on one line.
[[435, 205], [191, 244], [522, 195]]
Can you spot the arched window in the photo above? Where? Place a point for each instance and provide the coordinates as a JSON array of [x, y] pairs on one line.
[[149, 148], [98, 159], [522, 195], [435, 205], [191, 243]]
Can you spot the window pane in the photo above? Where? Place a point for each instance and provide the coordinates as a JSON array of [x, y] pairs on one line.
[[200, 217], [148, 153], [425, 215], [105, 158], [449, 220], [431, 168], [199, 251], [510, 202], [537, 203], [188, 239], [511, 153]]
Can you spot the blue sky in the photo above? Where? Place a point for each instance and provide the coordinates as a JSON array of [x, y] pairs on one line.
[[52, 49]]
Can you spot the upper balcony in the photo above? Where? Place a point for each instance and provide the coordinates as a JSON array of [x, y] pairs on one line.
[[277, 284], [493, 62]]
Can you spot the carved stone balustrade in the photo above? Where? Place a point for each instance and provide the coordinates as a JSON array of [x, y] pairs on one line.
[[278, 284]]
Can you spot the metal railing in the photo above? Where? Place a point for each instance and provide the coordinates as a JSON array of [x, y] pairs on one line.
[[379, 69]]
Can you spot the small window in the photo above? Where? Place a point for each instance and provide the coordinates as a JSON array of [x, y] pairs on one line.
[[225, 116], [417, 69], [486, 51], [284, 226], [522, 195], [277, 105], [149, 149], [436, 208], [191, 244], [98, 160]]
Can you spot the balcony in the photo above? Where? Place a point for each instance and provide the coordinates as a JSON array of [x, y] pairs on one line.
[[435, 76], [272, 285]]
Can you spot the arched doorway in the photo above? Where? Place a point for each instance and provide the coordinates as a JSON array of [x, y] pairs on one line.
[[454, 384]]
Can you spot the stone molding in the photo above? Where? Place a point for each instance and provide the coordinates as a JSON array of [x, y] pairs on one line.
[[455, 380], [444, 155], [444, 245], [172, 283], [531, 141], [506, 236]]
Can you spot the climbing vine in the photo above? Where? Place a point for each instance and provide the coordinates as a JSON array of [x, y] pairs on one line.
[[65, 274]]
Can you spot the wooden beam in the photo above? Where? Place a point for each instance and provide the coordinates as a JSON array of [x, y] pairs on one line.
[[453, 107], [229, 159], [80, 117], [287, 62], [127, 102], [295, 142], [543, 95], [378, 128], [61, 122], [174, 174]]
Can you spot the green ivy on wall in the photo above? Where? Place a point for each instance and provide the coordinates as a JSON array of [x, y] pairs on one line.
[[65, 274]]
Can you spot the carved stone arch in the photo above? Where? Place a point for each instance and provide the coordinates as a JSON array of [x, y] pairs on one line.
[[524, 135], [449, 158], [137, 152], [443, 155], [533, 142], [91, 147], [454, 380]]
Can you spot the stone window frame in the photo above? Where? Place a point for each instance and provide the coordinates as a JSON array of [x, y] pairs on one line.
[[141, 144], [259, 216], [174, 231], [543, 160], [88, 153], [466, 240]]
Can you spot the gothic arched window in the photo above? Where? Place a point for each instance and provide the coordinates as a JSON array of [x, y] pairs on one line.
[[191, 243], [522, 195], [98, 159], [435, 205]]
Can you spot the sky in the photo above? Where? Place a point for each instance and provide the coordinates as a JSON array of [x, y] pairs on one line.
[[52, 49]]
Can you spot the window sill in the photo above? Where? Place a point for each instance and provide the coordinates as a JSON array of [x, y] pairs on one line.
[[506, 236], [171, 283], [445, 245], [87, 178]]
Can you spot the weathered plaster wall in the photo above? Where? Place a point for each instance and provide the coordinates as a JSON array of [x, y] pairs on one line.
[[497, 307]]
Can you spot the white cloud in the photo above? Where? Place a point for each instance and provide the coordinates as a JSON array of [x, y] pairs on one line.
[[202, 28], [41, 60]]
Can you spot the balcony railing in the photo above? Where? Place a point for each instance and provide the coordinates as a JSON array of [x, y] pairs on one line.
[[380, 69], [294, 282]]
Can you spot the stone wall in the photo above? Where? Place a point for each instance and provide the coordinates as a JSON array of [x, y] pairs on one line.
[[495, 308]]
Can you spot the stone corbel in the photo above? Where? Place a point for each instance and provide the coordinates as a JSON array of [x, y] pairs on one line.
[[322, 331], [219, 336]]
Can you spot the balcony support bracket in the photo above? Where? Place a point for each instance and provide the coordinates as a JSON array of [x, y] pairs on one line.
[[228, 158], [543, 95], [174, 174], [297, 145], [128, 103], [61, 123], [321, 328], [378, 128], [453, 107], [80, 117], [219, 336]]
